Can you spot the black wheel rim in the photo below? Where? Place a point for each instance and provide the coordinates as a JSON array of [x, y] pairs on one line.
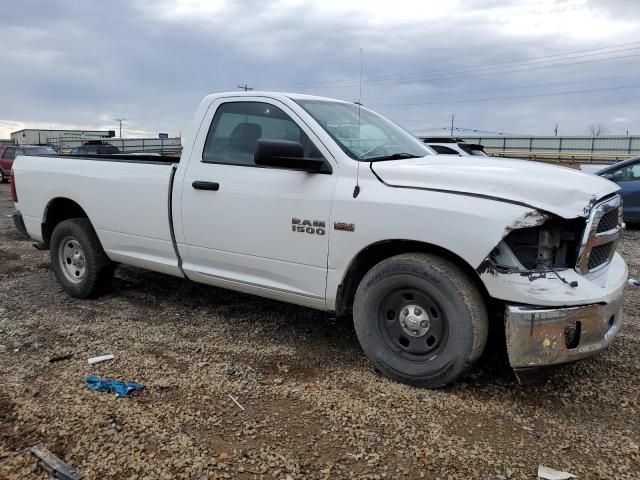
[[416, 338]]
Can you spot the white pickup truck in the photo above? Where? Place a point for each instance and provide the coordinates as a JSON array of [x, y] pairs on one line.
[[279, 195]]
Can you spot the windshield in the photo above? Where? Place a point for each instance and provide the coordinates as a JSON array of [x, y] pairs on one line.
[[363, 134]]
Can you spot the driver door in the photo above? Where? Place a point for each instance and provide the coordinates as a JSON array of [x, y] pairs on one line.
[[255, 229]]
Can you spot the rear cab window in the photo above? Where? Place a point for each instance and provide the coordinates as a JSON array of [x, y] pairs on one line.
[[107, 149], [473, 149], [442, 150], [37, 151]]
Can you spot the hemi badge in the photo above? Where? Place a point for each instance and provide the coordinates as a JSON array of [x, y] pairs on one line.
[[345, 227]]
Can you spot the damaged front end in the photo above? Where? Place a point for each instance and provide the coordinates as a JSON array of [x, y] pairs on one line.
[[533, 251], [563, 285]]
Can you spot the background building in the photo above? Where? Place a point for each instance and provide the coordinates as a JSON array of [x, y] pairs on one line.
[[32, 136]]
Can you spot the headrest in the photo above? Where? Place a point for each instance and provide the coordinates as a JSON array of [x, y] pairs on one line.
[[245, 136]]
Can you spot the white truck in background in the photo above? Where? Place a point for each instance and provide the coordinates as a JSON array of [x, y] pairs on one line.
[[454, 146], [272, 197]]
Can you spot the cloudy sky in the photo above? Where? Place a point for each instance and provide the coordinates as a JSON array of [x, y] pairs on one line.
[[515, 66]]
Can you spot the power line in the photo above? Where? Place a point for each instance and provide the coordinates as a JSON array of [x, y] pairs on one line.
[[517, 87], [521, 63], [541, 67], [508, 98], [386, 78]]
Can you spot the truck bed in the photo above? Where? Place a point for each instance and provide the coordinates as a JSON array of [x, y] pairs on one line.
[[127, 198]]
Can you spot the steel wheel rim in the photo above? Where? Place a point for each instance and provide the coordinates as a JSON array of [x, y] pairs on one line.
[[415, 336], [72, 260]]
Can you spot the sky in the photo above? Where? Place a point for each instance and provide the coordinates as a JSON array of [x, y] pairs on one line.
[[509, 66]]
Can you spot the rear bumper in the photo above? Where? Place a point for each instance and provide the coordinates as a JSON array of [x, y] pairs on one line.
[[19, 223], [543, 336]]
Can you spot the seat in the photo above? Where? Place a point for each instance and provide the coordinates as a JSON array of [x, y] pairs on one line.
[[242, 143]]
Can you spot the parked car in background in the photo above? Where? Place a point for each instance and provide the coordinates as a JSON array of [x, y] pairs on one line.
[[627, 175], [455, 146], [96, 147], [9, 152]]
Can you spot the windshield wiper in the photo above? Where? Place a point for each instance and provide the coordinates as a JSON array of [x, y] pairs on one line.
[[393, 156]]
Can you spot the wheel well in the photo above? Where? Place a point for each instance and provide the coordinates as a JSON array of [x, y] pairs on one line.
[[57, 210], [374, 254]]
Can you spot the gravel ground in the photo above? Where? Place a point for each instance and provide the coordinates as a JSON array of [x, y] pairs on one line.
[[313, 406]]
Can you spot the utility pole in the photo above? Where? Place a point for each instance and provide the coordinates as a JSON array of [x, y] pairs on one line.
[[120, 120], [555, 130], [453, 115], [245, 87]]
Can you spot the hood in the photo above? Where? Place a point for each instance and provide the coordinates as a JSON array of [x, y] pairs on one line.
[[562, 191]]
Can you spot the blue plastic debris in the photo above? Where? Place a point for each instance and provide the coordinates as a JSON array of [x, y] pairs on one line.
[[121, 389]]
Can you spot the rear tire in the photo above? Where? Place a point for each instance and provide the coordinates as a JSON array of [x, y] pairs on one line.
[[420, 319], [3, 177], [78, 260]]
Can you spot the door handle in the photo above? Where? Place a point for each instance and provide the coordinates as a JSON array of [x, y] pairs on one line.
[[200, 185]]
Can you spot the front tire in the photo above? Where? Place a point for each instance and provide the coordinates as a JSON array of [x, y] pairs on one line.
[[78, 260], [420, 319]]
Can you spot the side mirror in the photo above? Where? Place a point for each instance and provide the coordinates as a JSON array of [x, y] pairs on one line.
[[287, 154]]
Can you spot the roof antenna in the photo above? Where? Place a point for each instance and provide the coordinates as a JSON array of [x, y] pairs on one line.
[[356, 190]]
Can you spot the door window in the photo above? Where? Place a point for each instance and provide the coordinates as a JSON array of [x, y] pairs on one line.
[[10, 153], [625, 174], [237, 126]]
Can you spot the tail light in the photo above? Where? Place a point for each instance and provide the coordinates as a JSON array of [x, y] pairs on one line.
[[12, 179]]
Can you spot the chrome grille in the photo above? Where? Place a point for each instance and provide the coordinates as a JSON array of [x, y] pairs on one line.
[[601, 235], [599, 255], [609, 221]]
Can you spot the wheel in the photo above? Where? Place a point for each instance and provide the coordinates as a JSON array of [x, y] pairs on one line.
[[3, 177], [79, 262], [420, 319]]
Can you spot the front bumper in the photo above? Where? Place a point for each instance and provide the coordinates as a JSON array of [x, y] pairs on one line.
[[543, 336]]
